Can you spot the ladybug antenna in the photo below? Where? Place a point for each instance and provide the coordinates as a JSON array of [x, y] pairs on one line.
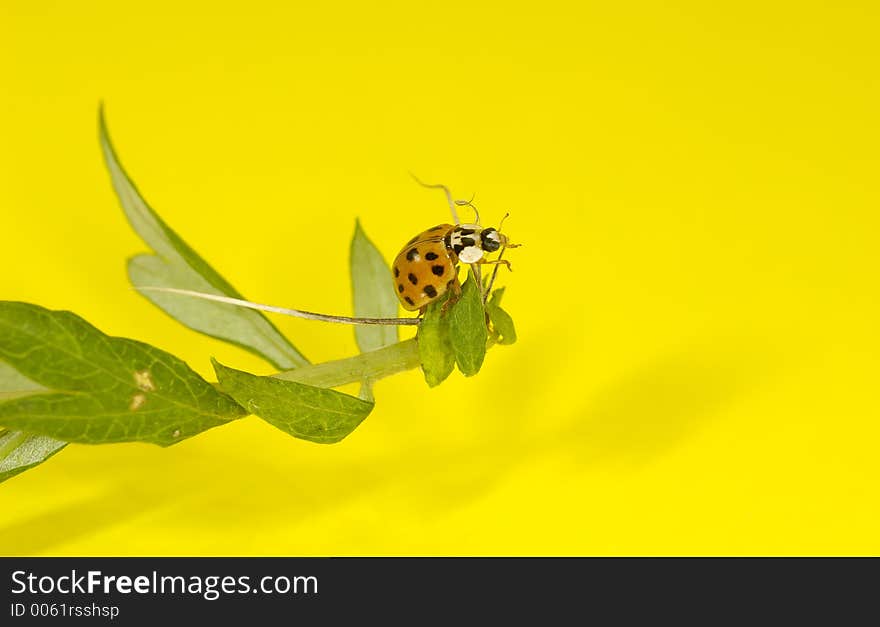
[[446, 191], [470, 203], [504, 239], [500, 224]]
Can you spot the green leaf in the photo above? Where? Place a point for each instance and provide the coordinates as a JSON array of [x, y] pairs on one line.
[[502, 324], [467, 329], [435, 348], [20, 451], [497, 295], [99, 388], [374, 365], [310, 413], [371, 291], [14, 385], [175, 264]]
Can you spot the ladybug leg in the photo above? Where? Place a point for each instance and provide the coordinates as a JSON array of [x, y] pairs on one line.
[[454, 295], [495, 262], [455, 288]]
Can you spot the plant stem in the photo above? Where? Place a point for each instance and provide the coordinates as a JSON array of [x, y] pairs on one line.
[[372, 366]]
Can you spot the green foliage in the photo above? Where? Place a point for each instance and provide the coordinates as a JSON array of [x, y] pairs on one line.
[[20, 451], [62, 380], [376, 364], [435, 347], [175, 264], [101, 389], [371, 292], [304, 411], [503, 331], [14, 385], [467, 329]]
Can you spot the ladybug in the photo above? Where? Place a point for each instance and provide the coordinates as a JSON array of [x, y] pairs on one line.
[[423, 271], [427, 266]]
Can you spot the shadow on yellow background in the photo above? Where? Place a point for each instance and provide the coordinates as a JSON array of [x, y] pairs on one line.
[[696, 190]]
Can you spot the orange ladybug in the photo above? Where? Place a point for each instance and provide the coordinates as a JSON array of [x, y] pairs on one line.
[[427, 266], [423, 271]]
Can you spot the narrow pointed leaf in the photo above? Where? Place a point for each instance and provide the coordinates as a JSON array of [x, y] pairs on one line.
[[504, 331], [467, 329], [371, 291], [177, 265], [20, 451], [435, 347], [497, 295], [99, 388], [310, 413]]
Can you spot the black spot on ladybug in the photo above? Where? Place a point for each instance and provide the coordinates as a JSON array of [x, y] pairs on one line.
[[430, 256], [438, 270], [458, 248], [400, 287], [468, 241], [396, 272], [466, 231], [409, 301], [436, 228], [411, 254], [413, 279], [431, 291]]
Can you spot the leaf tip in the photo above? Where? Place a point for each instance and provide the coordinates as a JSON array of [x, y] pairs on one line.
[[218, 367], [497, 295], [110, 156], [102, 121], [358, 231]]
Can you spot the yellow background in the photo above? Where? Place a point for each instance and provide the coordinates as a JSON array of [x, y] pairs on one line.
[[696, 188]]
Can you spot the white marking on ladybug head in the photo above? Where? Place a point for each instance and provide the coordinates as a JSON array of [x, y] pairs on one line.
[[470, 254], [490, 240], [466, 243]]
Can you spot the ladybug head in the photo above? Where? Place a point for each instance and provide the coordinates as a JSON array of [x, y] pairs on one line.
[[491, 240]]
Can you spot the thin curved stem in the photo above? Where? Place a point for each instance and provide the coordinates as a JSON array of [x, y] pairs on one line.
[[373, 365], [446, 191], [296, 313]]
